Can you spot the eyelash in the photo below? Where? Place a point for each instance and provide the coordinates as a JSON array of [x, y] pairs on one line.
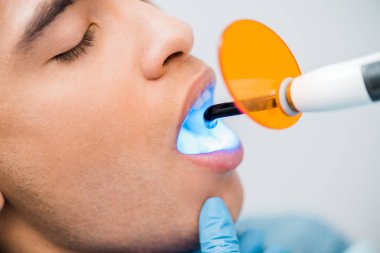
[[80, 49]]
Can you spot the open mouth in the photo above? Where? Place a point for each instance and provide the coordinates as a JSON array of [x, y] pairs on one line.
[[196, 138]]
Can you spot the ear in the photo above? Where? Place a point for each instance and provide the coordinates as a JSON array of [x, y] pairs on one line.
[[1, 201]]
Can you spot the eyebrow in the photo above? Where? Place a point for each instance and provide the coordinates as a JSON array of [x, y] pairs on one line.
[[43, 16]]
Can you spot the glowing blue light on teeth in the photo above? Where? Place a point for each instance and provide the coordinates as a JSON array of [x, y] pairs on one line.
[[211, 124], [195, 137]]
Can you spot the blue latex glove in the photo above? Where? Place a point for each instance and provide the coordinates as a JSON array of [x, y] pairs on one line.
[[217, 232]]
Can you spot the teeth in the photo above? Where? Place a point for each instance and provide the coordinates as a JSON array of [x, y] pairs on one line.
[[196, 138], [203, 98], [199, 103], [206, 95]]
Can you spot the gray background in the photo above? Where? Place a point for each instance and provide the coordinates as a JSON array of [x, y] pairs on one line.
[[328, 164]]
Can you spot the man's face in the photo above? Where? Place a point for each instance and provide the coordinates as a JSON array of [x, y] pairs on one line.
[[90, 110]]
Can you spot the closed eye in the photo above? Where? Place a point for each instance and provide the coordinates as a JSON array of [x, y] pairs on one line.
[[80, 49]]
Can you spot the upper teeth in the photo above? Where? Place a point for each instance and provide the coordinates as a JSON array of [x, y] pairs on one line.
[[194, 120], [203, 98]]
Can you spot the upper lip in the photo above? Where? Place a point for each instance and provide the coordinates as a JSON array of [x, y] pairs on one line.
[[198, 85]]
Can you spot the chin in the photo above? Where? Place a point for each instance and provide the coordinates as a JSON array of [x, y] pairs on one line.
[[183, 235], [171, 227], [233, 196]]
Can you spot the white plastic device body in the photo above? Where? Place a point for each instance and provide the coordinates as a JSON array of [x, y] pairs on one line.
[[342, 85]]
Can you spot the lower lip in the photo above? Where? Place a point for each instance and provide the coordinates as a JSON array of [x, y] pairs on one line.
[[220, 161]]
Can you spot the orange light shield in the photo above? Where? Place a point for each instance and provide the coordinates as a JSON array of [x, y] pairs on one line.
[[254, 61]]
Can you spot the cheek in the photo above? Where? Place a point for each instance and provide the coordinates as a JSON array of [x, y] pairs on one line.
[[161, 120], [91, 127]]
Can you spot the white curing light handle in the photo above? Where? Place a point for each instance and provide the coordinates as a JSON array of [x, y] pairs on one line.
[[347, 84]]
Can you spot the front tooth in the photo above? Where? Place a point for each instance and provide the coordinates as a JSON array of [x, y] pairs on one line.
[[206, 95], [199, 103]]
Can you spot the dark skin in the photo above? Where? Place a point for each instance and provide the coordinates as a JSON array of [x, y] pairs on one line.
[[81, 168]]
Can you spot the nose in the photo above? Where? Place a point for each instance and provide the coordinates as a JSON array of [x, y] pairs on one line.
[[168, 40]]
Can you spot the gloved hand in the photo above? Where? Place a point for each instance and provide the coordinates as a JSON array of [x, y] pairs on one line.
[[217, 232]]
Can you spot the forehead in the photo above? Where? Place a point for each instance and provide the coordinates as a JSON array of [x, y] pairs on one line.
[[13, 17], [18, 10]]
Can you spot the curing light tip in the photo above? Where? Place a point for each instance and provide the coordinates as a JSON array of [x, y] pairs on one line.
[[219, 111]]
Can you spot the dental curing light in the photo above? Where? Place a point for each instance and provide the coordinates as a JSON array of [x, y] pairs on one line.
[[265, 81], [195, 137]]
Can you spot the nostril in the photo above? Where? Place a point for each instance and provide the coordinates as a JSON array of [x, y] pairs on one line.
[[172, 56]]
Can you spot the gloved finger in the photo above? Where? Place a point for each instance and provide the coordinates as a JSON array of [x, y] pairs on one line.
[[252, 241], [216, 229], [275, 249]]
